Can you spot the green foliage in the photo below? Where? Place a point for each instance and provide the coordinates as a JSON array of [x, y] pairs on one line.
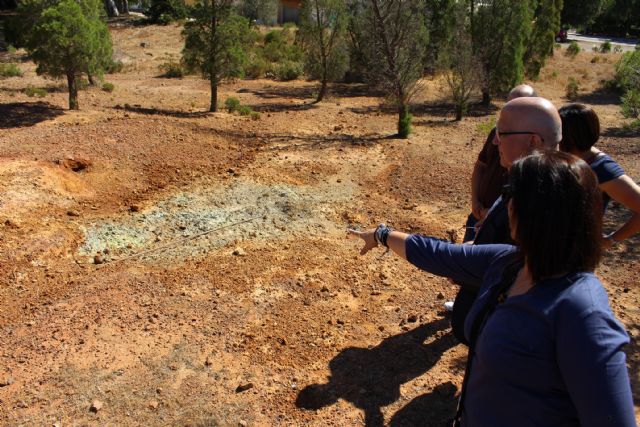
[[19, 27], [166, 11], [288, 70], [216, 43], [232, 104], [545, 27], [11, 50], [244, 110], [255, 115], [10, 70], [628, 71], [595, 59], [582, 13], [259, 11], [554, 74], [31, 91], [618, 49], [172, 70], [631, 104], [572, 88], [573, 49], [256, 68], [440, 19], [323, 31], [500, 30], [114, 67], [486, 127], [279, 45], [69, 39], [404, 123], [108, 87], [605, 47]]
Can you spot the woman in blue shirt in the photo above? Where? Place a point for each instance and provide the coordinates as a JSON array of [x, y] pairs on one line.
[[545, 348], [580, 133]]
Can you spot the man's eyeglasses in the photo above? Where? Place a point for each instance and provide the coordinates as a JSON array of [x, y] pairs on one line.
[[500, 134]]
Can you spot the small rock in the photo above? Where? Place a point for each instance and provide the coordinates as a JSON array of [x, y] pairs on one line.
[[244, 387], [243, 423], [154, 404], [281, 341], [340, 322], [412, 318], [440, 295], [73, 213], [324, 289], [98, 259], [626, 290], [134, 208], [7, 381], [239, 251], [96, 405], [143, 44], [381, 328], [208, 362]]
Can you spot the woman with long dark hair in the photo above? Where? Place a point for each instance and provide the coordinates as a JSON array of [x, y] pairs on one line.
[[545, 348]]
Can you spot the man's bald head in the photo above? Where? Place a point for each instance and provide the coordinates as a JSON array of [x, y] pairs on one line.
[[527, 124], [521, 91]]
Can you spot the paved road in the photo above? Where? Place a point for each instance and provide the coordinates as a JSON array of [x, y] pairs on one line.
[[587, 42]]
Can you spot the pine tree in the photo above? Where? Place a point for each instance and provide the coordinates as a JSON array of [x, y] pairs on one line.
[[68, 39], [323, 30], [216, 41], [545, 28], [499, 30]]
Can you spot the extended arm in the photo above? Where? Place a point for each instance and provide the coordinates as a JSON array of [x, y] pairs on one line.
[[626, 192]]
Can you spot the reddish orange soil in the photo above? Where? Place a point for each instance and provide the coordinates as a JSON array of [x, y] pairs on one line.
[[275, 321]]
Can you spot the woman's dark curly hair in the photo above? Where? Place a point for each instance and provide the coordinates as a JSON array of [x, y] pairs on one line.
[[580, 127], [558, 213]]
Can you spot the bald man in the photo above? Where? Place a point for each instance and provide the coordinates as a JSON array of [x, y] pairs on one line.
[[488, 175], [525, 125]]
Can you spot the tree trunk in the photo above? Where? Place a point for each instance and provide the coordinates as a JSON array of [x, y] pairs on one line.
[[112, 9], [486, 97], [323, 88], [404, 121], [73, 91], [125, 7], [214, 95], [92, 81], [459, 111]]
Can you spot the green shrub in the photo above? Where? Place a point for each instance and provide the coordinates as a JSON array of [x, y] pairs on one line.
[[114, 67], [618, 49], [573, 49], [10, 70], [404, 125], [631, 104], [554, 74], [11, 49], [232, 104], [166, 11], [82, 83], [255, 115], [627, 75], [244, 110], [486, 127], [172, 70], [595, 59], [572, 89], [557, 45], [605, 47], [31, 91], [256, 68], [288, 70], [108, 87]]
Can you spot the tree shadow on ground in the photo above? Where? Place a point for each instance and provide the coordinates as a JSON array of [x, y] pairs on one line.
[[600, 96], [434, 109], [151, 111], [20, 114], [339, 90], [622, 132], [278, 107], [370, 378]]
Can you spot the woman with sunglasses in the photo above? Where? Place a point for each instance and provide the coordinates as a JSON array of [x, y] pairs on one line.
[[581, 131], [545, 348]]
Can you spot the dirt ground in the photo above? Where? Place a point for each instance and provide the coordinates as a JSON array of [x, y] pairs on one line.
[[254, 308]]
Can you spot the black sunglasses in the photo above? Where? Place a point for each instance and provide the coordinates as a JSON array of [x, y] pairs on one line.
[[501, 134]]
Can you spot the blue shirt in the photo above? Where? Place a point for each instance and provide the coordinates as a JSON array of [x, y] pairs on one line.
[[550, 357], [606, 169]]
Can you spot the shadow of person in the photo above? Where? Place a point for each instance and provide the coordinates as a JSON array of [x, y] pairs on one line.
[[371, 378], [434, 409]]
